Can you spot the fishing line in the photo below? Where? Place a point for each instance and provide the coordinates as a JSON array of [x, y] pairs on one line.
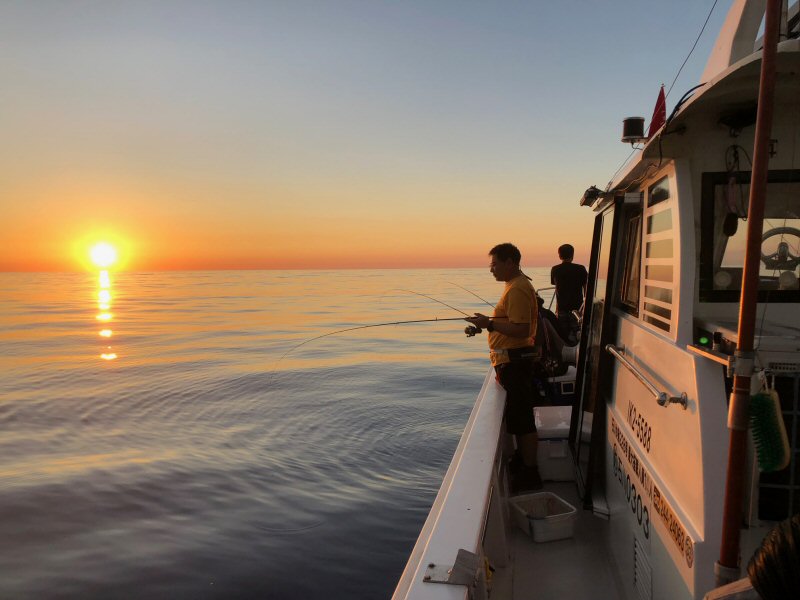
[[303, 343], [473, 293], [385, 324], [435, 300], [368, 326], [486, 301]]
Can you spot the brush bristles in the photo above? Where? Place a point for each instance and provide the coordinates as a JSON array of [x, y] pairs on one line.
[[769, 432]]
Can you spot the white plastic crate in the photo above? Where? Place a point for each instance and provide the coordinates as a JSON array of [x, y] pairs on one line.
[[544, 516], [555, 461], [554, 457], [552, 422]]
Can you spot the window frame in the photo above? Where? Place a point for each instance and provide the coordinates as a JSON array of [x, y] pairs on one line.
[[632, 220], [707, 293]]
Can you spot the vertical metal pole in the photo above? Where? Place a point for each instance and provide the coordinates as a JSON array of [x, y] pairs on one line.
[[727, 567]]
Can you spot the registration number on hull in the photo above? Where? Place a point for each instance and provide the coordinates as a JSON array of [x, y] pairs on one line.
[[645, 500]]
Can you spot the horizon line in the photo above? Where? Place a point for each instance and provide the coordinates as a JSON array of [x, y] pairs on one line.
[[184, 270]]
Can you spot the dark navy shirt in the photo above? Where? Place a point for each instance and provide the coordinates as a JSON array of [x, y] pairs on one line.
[[569, 279]]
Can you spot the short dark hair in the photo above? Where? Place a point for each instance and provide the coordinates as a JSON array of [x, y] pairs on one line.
[[505, 251], [773, 568], [566, 252]]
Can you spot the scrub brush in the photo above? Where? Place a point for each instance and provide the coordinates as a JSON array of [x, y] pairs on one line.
[[769, 431]]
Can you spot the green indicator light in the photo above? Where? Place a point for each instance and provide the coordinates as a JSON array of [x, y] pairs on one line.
[[704, 340]]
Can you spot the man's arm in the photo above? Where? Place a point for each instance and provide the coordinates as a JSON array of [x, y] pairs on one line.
[[507, 328], [519, 307], [514, 330]]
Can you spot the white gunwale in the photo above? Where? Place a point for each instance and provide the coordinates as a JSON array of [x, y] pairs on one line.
[[456, 519]]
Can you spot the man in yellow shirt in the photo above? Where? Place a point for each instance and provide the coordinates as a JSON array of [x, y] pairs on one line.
[[512, 331]]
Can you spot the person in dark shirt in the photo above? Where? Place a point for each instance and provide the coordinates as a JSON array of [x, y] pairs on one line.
[[570, 281]]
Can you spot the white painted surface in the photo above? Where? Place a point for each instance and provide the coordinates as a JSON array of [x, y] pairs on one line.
[[737, 37], [457, 515]]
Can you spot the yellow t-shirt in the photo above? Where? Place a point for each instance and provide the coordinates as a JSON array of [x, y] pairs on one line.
[[518, 303]]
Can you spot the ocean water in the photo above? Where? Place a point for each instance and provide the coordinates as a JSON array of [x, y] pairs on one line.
[[219, 441]]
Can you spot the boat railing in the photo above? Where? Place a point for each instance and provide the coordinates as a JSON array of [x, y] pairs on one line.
[[467, 499], [662, 398], [552, 288]]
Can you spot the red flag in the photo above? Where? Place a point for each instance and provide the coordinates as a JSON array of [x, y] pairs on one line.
[[659, 114]]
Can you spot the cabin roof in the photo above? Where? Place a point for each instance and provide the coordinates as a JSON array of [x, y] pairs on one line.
[[727, 101]]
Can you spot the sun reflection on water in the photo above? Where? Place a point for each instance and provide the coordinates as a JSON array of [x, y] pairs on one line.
[[104, 305]]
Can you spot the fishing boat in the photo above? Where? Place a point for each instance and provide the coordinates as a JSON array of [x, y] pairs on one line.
[[654, 487]]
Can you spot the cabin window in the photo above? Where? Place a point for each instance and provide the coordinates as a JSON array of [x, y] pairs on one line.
[[659, 192], [659, 273], [659, 222], [724, 234], [632, 246]]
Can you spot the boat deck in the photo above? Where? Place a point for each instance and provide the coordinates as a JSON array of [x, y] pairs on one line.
[[576, 568]]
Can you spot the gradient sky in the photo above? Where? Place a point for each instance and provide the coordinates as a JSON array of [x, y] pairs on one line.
[[322, 134]]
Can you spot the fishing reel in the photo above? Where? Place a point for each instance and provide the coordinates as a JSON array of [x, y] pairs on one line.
[[472, 330]]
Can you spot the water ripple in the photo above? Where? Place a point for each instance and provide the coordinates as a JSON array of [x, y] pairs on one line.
[[213, 458]]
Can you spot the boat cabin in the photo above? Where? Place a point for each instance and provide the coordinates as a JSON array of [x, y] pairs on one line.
[[648, 433]]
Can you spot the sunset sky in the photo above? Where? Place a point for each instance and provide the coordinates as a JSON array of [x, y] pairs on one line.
[[322, 134]]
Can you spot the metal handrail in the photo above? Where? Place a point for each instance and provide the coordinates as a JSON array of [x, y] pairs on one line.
[[553, 297], [662, 398]]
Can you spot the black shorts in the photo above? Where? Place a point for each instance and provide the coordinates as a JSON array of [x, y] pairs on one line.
[[516, 377]]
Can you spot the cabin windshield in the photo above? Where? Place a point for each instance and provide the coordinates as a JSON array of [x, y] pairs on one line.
[[725, 212]]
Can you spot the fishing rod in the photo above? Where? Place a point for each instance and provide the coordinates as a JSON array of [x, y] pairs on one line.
[[470, 330]]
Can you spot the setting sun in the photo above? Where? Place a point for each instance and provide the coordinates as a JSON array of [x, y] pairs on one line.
[[103, 254]]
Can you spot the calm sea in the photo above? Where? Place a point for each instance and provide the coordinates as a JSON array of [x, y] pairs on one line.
[[205, 446]]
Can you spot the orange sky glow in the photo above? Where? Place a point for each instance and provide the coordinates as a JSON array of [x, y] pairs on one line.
[[312, 135], [163, 232]]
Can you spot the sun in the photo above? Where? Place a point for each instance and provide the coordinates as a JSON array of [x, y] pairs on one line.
[[103, 254]]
